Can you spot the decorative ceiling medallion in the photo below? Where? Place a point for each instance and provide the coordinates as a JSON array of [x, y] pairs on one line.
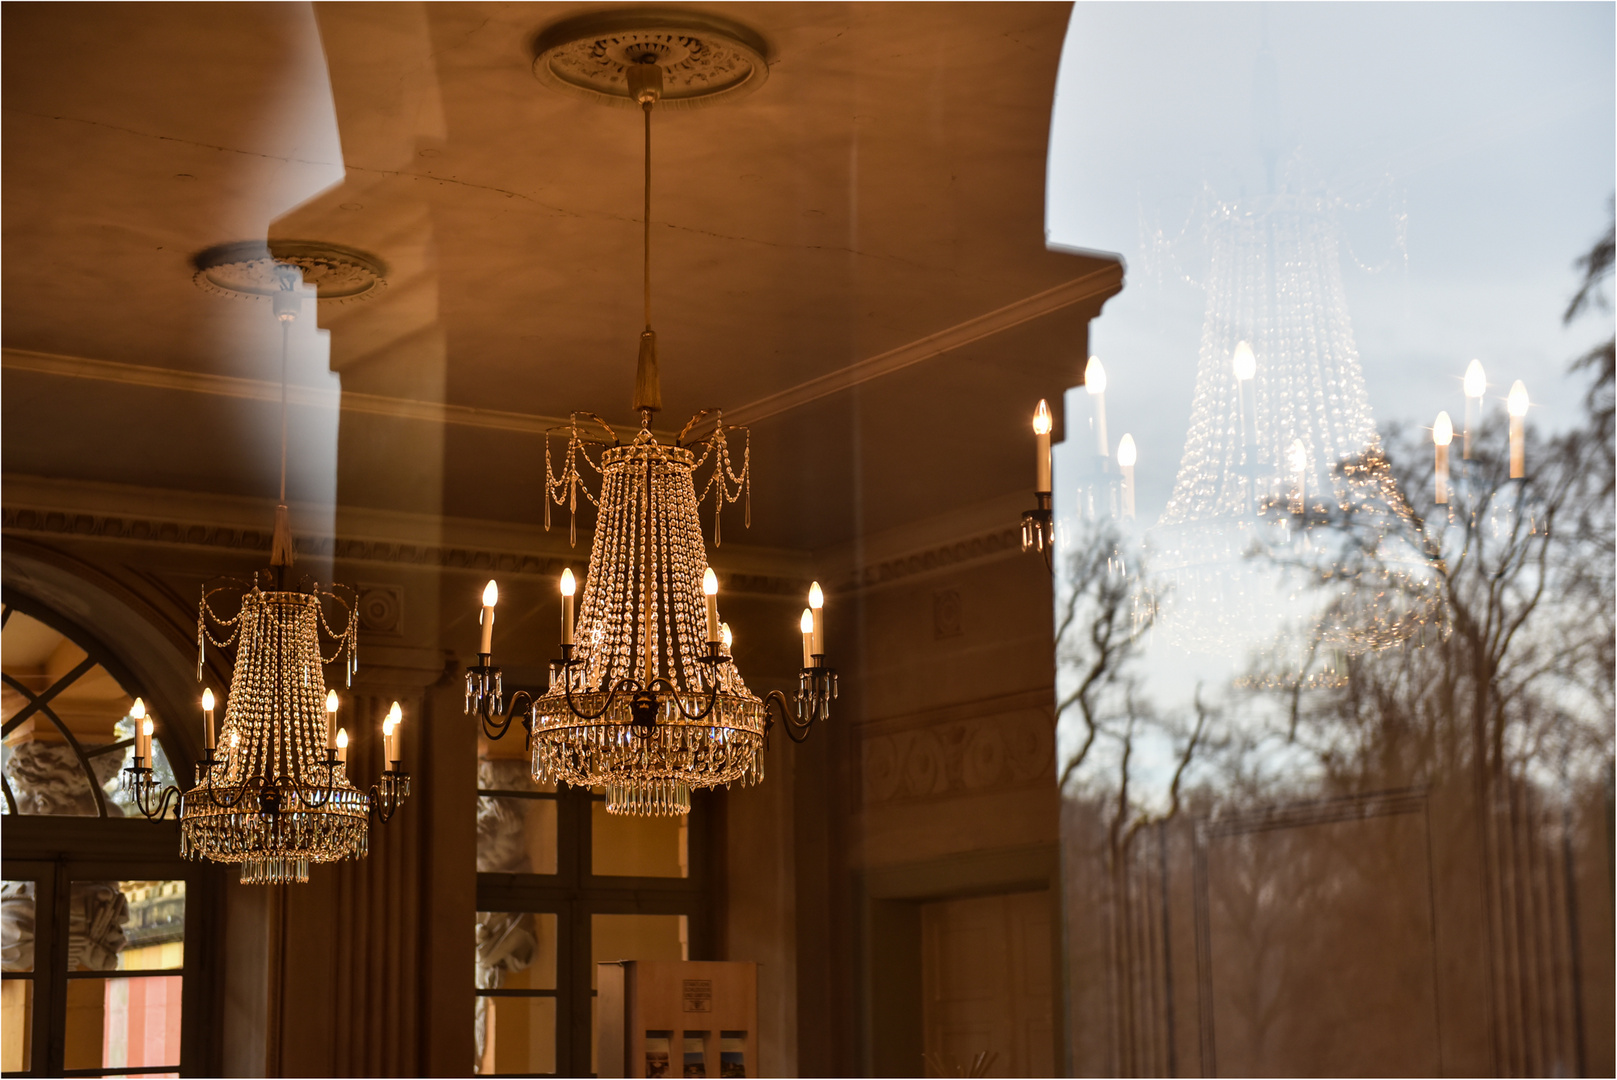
[[704, 59], [247, 269]]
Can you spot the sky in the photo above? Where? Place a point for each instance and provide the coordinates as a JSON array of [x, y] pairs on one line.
[[1491, 126]]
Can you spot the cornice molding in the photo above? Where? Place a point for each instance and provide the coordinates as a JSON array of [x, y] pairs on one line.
[[1099, 283]]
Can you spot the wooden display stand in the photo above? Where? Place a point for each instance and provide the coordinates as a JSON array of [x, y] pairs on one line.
[[678, 1018]]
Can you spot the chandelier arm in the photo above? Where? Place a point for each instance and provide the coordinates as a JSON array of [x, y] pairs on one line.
[[494, 729], [626, 683], [673, 691], [255, 783], [777, 700]]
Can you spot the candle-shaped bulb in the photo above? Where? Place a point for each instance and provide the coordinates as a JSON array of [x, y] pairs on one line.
[[1041, 446], [207, 700], [1298, 456], [1476, 383], [1442, 435], [806, 623], [331, 701], [1126, 453], [725, 637], [710, 593], [817, 618], [147, 729], [394, 714], [342, 738], [1041, 418], [1246, 363], [491, 596], [137, 711], [569, 586], [1095, 376], [1516, 403]]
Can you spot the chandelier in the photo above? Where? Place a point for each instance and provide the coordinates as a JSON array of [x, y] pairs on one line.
[[272, 791], [646, 701]]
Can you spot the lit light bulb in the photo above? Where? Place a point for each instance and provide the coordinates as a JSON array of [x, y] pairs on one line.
[[342, 738], [146, 729], [235, 739], [816, 596], [491, 594], [1246, 364], [1476, 383], [710, 582], [207, 700], [725, 636], [1516, 403], [1126, 453], [1443, 430], [394, 716], [137, 711], [1298, 456], [331, 701], [569, 585], [1095, 376], [806, 623], [1041, 418]]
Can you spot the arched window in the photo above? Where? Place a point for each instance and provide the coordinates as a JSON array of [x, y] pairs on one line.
[[98, 973]]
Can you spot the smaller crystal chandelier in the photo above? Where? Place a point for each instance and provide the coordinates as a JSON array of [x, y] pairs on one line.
[[645, 700], [278, 796]]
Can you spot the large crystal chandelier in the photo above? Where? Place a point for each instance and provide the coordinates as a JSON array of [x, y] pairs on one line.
[[1284, 507], [645, 701], [272, 791]]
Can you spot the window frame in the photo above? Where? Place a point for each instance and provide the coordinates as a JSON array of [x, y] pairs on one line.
[[113, 849], [575, 893]]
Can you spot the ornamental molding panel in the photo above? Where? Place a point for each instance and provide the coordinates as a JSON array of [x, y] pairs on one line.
[[969, 749]]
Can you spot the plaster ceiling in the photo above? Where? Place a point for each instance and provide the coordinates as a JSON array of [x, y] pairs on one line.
[[885, 184]]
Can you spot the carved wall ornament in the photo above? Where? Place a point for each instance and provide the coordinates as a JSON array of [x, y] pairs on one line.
[[381, 609], [246, 269], [946, 621], [704, 59], [965, 756]]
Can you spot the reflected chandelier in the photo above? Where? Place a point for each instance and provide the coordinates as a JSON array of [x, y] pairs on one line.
[[645, 700], [278, 797]]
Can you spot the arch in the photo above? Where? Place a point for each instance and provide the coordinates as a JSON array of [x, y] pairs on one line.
[[147, 650]]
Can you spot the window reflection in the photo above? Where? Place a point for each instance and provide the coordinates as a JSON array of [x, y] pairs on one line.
[[516, 830]]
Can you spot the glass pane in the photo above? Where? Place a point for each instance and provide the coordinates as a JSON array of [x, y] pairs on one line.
[[634, 846], [155, 931], [504, 766], [516, 950], [516, 836], [129, 1022], [637, 937], [516, 1035], [17, 926], [16, 1024], [127, 926]]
